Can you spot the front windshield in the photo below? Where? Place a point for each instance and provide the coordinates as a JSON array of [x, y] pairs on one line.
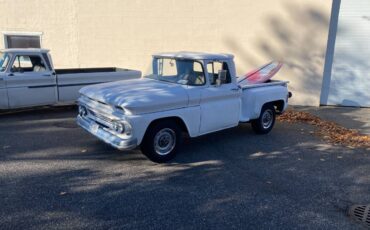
[[179, 71], [4, 60]]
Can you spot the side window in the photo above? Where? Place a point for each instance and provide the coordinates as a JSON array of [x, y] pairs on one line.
[[214, 67], [25, 63]]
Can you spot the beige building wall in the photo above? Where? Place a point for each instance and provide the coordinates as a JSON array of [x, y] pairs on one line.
[[124, 33]]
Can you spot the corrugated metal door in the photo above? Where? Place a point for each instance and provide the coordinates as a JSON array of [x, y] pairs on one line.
[[350, 78]]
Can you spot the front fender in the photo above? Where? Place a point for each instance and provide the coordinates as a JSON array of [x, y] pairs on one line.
[[190, 117]]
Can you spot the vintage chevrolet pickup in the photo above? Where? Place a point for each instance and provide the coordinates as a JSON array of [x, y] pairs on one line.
[[186, 92], [28, 78]]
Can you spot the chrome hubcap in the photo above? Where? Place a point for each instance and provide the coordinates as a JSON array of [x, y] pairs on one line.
[[267, 119], [164, 141]]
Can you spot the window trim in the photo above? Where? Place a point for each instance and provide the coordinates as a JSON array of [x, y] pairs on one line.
[[20, 33], [187, 59], [33, 55], [220, 61]]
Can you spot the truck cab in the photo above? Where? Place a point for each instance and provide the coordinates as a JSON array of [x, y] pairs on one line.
[[28, 78], [198, 73]]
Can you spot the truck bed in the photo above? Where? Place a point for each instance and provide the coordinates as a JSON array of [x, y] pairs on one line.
[[70, 81], [254, 96], [89, 70]]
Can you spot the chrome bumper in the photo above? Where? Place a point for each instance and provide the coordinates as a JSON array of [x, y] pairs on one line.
[[107, 137]]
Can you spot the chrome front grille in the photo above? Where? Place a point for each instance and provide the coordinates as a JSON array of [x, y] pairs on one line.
[[100, 119], [100, 113]]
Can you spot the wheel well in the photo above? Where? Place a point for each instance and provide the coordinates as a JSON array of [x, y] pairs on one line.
[[279, 105], [178, 121]]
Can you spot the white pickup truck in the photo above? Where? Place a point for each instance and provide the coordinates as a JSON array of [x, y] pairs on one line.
[[186, 92], [27, 78]]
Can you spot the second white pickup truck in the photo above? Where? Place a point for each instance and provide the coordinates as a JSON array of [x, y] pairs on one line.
[[186, 92], [28, 78]]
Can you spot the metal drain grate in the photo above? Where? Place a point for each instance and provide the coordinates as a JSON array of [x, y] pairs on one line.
[[360, 213]]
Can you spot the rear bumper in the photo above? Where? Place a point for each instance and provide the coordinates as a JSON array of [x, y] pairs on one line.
[[107, 137]]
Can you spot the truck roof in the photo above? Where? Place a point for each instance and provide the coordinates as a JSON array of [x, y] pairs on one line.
[[194, 55], [25, 50]]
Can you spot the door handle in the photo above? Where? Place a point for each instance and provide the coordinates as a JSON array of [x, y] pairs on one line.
[[46, 75], [10, 75], [234, 89]]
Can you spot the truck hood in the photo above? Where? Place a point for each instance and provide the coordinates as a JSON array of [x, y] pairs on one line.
[[139, 95]]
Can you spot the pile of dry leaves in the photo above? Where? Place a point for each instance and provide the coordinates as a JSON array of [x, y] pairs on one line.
[[330, 131]]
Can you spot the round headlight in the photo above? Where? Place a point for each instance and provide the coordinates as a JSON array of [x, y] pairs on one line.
[[82, 111], [118, 127], [128, 128]]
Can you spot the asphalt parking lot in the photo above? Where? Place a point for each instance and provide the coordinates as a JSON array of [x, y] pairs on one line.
[[54, 175]]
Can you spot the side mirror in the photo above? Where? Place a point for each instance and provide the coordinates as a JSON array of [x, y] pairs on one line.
[[221, 77]]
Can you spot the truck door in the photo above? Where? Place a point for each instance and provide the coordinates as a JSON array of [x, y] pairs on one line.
[[4, 61], [30, 82], [3, 94], [220, 103]]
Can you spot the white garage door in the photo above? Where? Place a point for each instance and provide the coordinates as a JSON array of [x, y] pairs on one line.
[[350, 78]]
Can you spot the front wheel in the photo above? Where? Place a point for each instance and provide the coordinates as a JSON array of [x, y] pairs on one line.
[[161, 141], [266, 121]]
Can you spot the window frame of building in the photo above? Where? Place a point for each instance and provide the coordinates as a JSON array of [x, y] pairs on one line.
[[7, 34]]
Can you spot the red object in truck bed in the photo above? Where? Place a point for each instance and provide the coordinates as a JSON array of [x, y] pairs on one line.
[[263, 74]]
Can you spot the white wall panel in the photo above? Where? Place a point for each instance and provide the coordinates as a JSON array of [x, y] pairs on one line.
[[350, 79]]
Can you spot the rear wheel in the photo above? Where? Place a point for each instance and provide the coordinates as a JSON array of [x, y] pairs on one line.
[[161, 141], [266, 121]]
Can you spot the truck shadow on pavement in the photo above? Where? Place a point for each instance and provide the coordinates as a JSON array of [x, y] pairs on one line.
[[61, 176]]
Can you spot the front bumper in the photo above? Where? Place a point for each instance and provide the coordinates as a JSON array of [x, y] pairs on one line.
[[106, 136]]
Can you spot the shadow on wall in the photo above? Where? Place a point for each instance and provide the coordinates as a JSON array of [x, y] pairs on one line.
[[299, 38]]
